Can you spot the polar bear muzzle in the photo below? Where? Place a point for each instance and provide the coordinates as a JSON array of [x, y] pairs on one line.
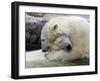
[[46, 49], [68, 47], [64, 42]]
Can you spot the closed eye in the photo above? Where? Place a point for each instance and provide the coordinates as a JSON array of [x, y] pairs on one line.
[[60, 41], [43, 40], [65, 35]]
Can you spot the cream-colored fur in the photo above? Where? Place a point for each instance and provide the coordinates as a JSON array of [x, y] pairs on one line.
[[76, 29]]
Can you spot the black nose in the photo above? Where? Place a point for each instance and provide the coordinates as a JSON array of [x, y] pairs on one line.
[[68, 47], [44, 50]]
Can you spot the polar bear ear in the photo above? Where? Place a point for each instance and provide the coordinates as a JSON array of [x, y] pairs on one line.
[[55, 27]]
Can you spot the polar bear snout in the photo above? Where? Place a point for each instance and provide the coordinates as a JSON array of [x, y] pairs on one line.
[[64, 43], [68, 47], [46, 49]]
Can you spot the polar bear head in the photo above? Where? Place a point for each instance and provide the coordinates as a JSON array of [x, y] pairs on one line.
[[63, 42], [56, 40]]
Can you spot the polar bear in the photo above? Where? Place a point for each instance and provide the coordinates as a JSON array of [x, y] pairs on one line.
[[65, 38]]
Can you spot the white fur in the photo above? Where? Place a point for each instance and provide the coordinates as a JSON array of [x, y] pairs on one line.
[[77, 29], [35, 56]]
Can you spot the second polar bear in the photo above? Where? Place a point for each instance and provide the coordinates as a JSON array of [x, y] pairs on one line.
[[65, 38]]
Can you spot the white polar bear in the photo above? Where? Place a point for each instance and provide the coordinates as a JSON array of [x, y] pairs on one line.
[[65, 38]]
